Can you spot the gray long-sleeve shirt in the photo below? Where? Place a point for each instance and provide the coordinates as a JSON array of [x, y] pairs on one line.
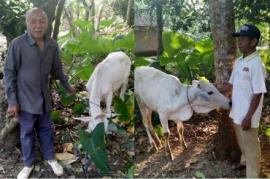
[[27, 72]]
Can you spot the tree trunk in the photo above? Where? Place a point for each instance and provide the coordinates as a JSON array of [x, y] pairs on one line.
[[59, 11], [222, 26], [130, 13], [49, 7], [93, 14], [159, 13], [70, 20], [9, 133], [98, 19], [268, 35], [3, 104], [87, 9]]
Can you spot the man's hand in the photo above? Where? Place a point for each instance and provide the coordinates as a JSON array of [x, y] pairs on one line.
[[246, 124], [13, 111]]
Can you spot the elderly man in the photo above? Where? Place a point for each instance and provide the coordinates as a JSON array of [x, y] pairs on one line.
[[32, 59]]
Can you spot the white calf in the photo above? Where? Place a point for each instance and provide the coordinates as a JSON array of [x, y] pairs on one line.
[[165, 94], [109, 76]]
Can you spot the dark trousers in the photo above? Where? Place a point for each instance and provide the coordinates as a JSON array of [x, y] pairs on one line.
[[42, 126]]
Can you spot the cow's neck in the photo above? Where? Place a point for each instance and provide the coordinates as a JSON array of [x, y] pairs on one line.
[[184, 110], [199, 106]]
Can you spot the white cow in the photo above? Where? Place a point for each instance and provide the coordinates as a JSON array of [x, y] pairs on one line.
[[165, 94], [108, 77]]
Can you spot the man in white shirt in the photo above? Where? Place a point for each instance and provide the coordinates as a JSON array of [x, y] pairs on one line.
[[247, 82]]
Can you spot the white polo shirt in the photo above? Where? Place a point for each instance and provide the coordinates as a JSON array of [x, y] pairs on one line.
[[248, 78]]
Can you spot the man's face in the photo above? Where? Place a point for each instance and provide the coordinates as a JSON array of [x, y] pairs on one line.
[[246, 44], [37, 24]]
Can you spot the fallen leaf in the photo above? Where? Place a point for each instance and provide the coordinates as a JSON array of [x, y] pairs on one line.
[[65, 157], [67, 147]]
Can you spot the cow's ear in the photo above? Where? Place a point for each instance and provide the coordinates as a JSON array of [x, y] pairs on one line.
[[196, 83]]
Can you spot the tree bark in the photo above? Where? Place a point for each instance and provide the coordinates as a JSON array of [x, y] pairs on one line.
[[49, 7], [222, 26], [93, 14], [130, 13], [70, 20], [9, 133], [87, 9], [268, 35], [159, 14], [3, 104], [57, 23], [98, 18]]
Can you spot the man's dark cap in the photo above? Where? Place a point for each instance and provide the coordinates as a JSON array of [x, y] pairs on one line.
[[248, 30]]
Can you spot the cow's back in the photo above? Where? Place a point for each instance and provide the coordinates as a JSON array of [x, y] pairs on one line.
[[111, 72], [116, 68], [155, 88]]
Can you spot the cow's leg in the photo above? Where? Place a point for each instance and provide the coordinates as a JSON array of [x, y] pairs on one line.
[[94, 110], [166, 132], [108, 110], [145, 113], [153, 133], [180, 131]]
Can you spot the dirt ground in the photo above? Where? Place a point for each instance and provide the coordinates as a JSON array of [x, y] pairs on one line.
[[11, 161], [198, 160]]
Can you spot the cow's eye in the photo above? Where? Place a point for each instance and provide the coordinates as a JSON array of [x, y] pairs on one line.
[[210, 92]]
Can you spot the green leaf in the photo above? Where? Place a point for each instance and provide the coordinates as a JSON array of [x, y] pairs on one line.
[[130, 171], [166, 60], [159, 130], [83, 72], [141, 61], [55, 115], [173, 42], [94, 145], [193, 59], [203, 78], [124, 42], [125, 109], [84, 24], [204, 45], [67, 100], [199, 174], [267, 132], [106, 23], [79, 108]]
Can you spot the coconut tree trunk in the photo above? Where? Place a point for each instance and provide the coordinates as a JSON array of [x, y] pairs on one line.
[[222, 26]]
